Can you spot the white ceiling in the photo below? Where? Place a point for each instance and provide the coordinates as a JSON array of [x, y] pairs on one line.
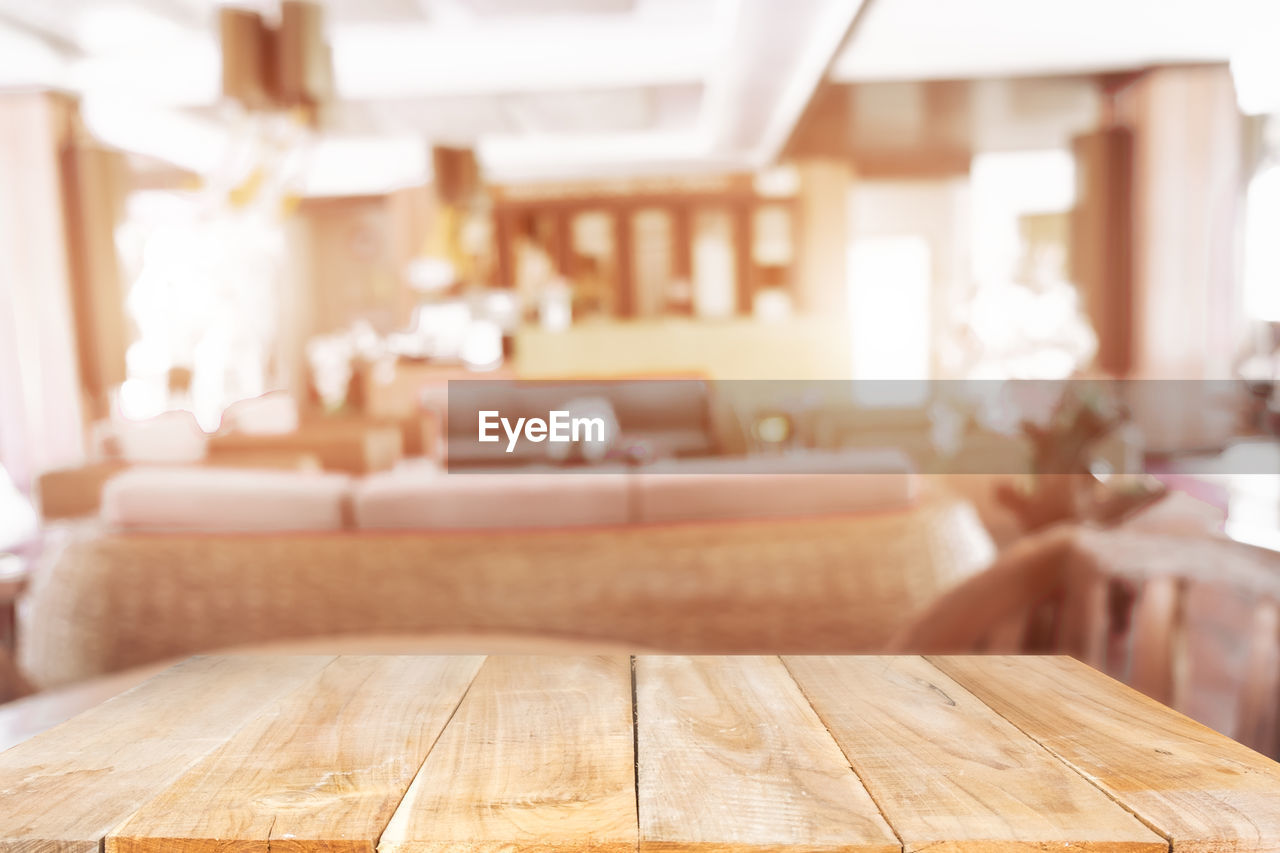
[[574, 88], [960, 39], [543, 88]]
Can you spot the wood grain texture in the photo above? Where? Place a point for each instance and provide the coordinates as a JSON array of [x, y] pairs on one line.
[[731, 757], [322, 769], [63, 790], [1199, 789], [948, 773], [539, 757]]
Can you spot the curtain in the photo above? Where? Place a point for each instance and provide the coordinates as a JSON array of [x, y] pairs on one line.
[[41, 425]]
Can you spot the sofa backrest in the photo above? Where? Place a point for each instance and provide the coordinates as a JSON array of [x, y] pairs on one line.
[[425, 497], [797, 484], [793, 484], [225, 500]]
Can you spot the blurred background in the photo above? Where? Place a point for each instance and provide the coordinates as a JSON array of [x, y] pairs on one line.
[[245, 248]]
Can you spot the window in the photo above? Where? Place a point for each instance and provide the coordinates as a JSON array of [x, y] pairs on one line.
[[889, 307], [1261, 246]]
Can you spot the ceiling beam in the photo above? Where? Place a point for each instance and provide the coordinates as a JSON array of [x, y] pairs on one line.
[[23, 24], [830, 26]]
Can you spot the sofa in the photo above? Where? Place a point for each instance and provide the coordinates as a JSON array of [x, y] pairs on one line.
[[809, 553]]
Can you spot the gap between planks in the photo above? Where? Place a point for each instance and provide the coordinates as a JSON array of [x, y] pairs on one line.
[[734, 758], [875, 798], [1095, 783], [635, 746], [635, 723], [1036, 743], [640, 842], [1201, 790], [439, 734], [64, 818], [557, 772], [359, 719], [1041, 800]]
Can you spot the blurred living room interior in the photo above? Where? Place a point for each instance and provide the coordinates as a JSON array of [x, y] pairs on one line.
[[918, 325]]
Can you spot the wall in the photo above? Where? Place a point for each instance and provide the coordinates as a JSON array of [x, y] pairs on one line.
[[798, 348]]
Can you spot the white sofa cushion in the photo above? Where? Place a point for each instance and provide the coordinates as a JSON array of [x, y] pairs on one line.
[[796, 484], [225, 499], [170, 438], [427, 497]]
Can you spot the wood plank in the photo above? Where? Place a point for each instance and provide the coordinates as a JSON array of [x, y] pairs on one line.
[[950, 774], [63, 790], [539, 757], [25, 718], [731, 757], [1199, 789], [322, 769]]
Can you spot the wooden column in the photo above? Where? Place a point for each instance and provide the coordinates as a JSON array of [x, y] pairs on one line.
[[744, 264], [682, 242], [503, 235], [564, 243], [1102, 242], [625, 260]]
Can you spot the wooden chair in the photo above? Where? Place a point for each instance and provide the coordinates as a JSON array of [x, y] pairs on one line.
[[1192, 621]]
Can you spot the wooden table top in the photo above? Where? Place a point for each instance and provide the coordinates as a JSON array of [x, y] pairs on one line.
[[463, 754]]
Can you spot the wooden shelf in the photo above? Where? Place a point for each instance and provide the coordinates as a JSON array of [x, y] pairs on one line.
[[546, 215]]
